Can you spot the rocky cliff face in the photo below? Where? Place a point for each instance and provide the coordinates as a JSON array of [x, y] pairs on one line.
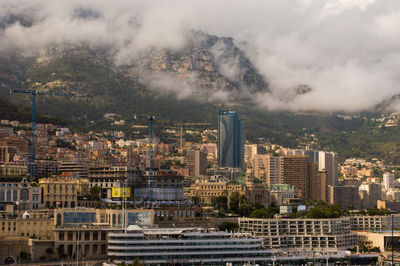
[[207, 67], [206, 64]]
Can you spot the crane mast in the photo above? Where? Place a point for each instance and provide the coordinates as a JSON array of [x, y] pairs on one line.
[[150, 180], [32, 141]]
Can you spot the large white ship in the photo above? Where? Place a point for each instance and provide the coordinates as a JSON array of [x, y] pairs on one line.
[[185, 246]]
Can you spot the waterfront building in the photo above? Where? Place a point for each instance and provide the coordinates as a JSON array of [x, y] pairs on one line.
[[380, 239], [374, 223], [84, 231], [187, 246], [301, 234], [27, 224]]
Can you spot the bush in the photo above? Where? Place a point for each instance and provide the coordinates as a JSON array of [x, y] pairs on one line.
[[228, 226]]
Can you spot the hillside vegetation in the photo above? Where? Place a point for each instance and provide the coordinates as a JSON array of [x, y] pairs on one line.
[[111, 89]]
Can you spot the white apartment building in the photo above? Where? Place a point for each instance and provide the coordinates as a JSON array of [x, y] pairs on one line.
[[374, 223], [267, 168], [388, 180], [304, 234]]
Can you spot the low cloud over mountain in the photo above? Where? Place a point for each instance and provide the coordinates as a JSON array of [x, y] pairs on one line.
[[347, 52]]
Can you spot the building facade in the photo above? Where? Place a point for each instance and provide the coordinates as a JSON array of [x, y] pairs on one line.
[[108, 177], [34, 224], [81, 169], [63, 191], [346, 196], [298, 171], [166, 185], [388, 180], [18, 191], [230, 140], [185, 246], [267, 168], [84, 231], [369, 194], [197, 162], [301, 234], [13, 170]]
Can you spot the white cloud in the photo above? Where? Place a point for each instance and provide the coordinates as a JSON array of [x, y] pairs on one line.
[[346, 50]]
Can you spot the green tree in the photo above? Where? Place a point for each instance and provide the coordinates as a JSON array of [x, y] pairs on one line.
[[234, 202], [94, 193], [166, 164], [196, 200], [228, 226], [245, 208], [220, 202], [259, 213]]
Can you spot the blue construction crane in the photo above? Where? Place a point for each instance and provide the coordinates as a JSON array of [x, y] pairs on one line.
[[32, 142], [151, 122]]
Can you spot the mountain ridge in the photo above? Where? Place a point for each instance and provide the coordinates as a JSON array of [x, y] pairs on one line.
[[121, 89]]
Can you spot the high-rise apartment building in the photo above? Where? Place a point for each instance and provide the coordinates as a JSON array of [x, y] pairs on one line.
[[298, 171], [327, 161], [388, 180], [369, 194], [197, 162], [319, 187], [230, 140], [345, 196], [251, 150], [266, 167], [295, 170]]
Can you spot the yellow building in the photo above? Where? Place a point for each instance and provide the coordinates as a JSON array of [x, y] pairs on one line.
[[33, 224], [63, 191], [90, 227], [207, 190], [13, 170]]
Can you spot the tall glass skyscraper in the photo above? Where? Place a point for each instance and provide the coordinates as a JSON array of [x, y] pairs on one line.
[[230, 140]]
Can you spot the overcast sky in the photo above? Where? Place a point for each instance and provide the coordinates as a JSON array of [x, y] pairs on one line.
[[348, 51]]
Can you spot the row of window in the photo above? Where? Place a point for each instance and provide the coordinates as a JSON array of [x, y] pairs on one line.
[[60, 197], [60, 187], [81, 235], [13, 185], [71, 249], [12, 195]]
